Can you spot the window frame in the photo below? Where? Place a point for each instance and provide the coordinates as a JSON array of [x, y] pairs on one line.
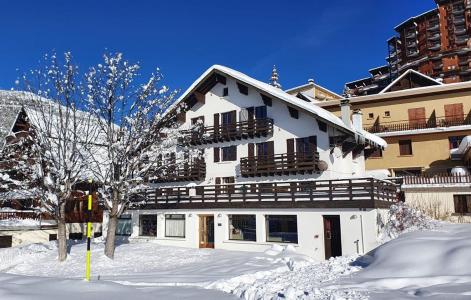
[[230, 219], [402, 143], [128, 218], [227, 156], [172, 217], [284, 241], [141, 217]]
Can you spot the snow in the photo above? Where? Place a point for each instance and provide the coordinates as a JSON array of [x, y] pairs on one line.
[[421, 264], [275, 92], [19, 223]]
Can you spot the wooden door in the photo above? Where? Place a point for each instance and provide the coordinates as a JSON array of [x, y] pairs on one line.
[[454, 113], [417, 117], [207, 231], [332, 236]]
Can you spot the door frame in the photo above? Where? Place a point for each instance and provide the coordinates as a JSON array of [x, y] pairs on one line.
[[332, 247], [202, 222]]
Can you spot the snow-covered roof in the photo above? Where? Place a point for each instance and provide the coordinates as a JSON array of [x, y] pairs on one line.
[[416, 17], [311, 85], [281, 95], [10, 106], [435, 82]]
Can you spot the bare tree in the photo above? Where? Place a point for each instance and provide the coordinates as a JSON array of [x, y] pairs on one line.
[[63, 135], [130, 117]]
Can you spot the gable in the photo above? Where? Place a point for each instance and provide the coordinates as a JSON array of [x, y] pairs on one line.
[[410, 80]]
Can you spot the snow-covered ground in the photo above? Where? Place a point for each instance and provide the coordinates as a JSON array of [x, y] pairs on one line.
[[429, 264]]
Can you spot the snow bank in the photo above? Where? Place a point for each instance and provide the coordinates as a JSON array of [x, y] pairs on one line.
[[19, 223]]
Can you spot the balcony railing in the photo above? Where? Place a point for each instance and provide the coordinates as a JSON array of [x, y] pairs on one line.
[[437, 179], [279, 164], [229, 132], [328, 193], [195, 170], [432, 122]]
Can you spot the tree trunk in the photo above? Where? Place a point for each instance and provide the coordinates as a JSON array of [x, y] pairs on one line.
[[62, 234], [112, 224]]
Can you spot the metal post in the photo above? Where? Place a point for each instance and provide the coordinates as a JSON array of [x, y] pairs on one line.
[[89, 232]]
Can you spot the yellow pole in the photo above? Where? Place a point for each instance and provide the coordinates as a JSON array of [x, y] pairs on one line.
[[89, 232]]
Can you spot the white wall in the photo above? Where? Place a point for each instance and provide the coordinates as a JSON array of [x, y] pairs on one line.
[[285, 127], [309, 223]]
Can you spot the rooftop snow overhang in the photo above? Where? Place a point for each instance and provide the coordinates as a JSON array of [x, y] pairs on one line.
[[201, 85]]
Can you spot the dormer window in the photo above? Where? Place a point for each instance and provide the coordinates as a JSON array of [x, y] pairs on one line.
[[225, 92], [293, 112], [243, 89]]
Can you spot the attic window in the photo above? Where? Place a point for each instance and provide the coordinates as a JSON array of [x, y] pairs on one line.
[[293, 112], [371, 115], [225, 92], [266, 100], [387, 113], [243, 89], [322, 126]]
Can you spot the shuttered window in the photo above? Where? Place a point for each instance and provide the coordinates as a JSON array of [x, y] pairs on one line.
[[454, 112], [416, 116], [405, 147]]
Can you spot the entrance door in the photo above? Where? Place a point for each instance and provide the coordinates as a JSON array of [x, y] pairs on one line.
[[332, 237], [206, 231]]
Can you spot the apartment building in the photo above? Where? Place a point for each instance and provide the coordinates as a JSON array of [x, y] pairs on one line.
[[435, 43], [276, 169], [424, 123]]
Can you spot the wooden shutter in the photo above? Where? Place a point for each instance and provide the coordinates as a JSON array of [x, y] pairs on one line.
[[233, 153], [216, 120], [416, 116], [454, 112], [216, 154], [251, 150], [405, 147], [244, 115], [312, 144], [233, 117], [271, 148], [290, 149], [218, 183]]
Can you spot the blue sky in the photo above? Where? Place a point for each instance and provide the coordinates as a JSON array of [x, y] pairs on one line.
[[331, 41]]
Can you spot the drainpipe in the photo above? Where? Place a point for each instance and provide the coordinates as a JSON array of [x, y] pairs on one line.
[[362, 239]]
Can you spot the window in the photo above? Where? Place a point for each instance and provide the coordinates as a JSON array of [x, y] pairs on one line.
[[266, 100], [293, 112], [462, 204], [228, 118], [124, 226], [242, 227], [387, 114], [322, 126], [229, 153], [407, 172], [371, 115], [261, 112], [175, 225], [405, 147], [148, 225], [376, 153], [225, 92], [455, 141], [306, 145], [225, 185], [265, 149], [243, 89], [283, 229]]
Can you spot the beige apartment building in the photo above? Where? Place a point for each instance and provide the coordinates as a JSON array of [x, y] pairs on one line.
[[421, 121]]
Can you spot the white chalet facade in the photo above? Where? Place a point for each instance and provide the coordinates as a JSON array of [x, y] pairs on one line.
[[276, 169]]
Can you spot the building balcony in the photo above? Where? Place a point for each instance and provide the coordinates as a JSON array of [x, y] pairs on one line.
[[228, 132], [460, 31], [459, 11], [279, 164], [433, 27], [461, 41], [435, 47], [411, 34], [434, 37], [192, 171], [438, 67], [413, 53], [340, 193], [432, 122], [458, 21], [440, 179]]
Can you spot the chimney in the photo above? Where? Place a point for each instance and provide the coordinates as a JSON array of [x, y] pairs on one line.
[[357, 119], [345, 112]]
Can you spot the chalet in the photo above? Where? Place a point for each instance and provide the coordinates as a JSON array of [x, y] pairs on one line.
[[276, 169], [21, 221]]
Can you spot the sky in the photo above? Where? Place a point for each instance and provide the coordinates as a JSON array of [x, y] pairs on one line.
[[332, 42]]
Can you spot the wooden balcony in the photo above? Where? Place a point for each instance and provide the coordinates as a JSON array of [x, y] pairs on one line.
[[279, 164], [432, 122], [229, 132], [193, 171], [341, 193]]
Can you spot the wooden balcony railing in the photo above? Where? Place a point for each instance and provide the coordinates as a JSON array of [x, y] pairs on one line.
[[437, 179], [20, 215], [195, 170], [432, 122], [273, 194], [228, 132], [279, 164]]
